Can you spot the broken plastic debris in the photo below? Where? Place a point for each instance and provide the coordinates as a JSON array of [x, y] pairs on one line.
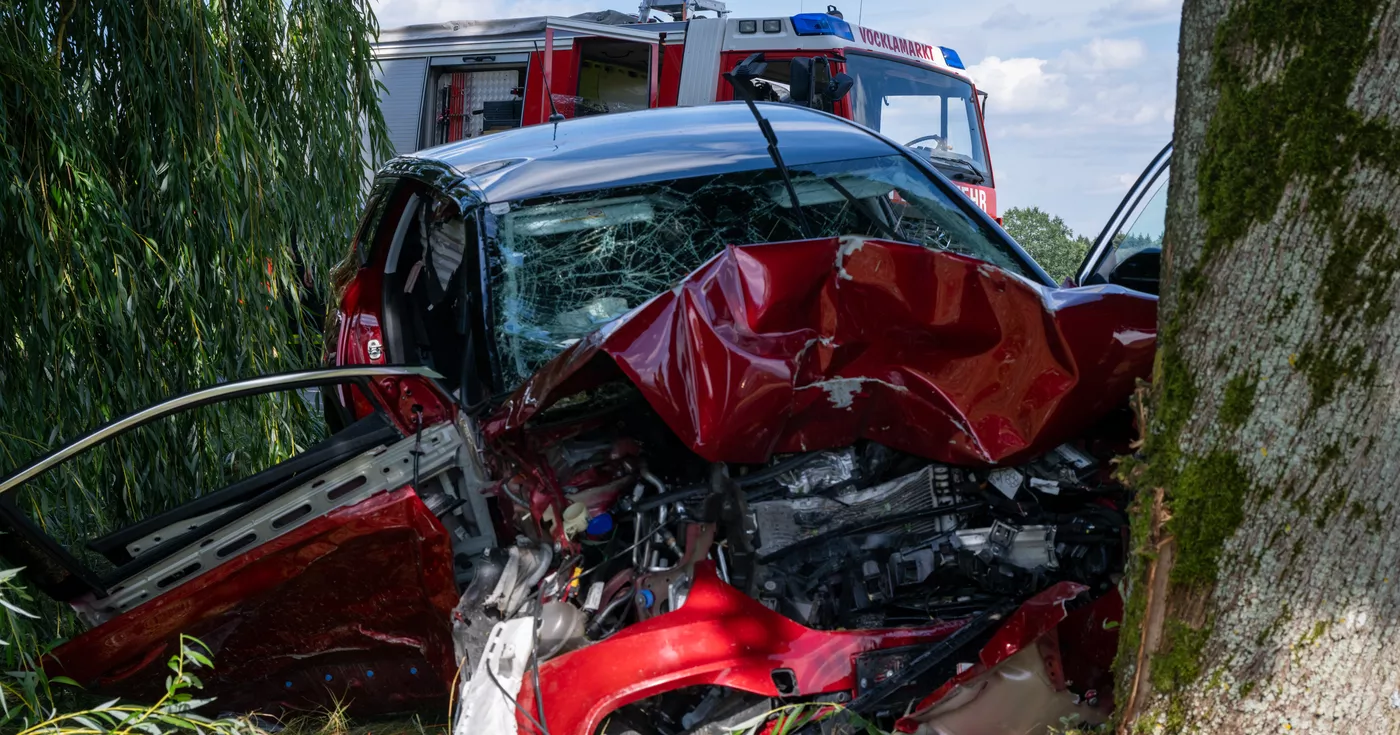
[[1029, 548], [827, 470], [1007, 480]]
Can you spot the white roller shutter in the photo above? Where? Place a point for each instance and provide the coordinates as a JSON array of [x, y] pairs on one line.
[[401, 101], [700, 64]]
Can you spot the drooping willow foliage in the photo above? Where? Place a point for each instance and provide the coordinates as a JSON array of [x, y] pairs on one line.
[[177, 178]]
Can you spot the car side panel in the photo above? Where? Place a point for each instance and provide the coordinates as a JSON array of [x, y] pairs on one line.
[[352, 607]]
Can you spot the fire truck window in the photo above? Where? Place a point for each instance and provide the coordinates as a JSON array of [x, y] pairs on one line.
[[612, 77], [773, 86], [563, 266], [932, 112]]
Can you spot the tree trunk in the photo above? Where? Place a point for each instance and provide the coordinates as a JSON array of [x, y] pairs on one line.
[[1266, 595]]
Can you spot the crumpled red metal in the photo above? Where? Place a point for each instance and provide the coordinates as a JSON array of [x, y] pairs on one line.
[[813, 344], [719, 637]]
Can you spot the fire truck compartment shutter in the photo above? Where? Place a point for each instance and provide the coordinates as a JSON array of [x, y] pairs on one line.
[[401, 100], [700, 64]]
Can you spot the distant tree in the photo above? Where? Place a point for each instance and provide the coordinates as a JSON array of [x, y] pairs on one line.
[[1048, 239]]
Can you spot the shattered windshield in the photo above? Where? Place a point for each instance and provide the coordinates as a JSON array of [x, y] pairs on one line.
[[564, 265], [933, 113]]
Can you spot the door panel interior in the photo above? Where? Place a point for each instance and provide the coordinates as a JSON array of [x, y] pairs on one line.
[[325, 576]]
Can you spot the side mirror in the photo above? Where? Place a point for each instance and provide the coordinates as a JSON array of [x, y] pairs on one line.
[[749, 69], [1141, 271], [840, 87], [802, 81]]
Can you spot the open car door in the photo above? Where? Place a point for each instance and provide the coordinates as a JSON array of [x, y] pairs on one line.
[[316, 567], [1128, 252]]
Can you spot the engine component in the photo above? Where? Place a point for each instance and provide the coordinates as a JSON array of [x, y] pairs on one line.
[[824, 471], [1019, 695], [525, 568], [1032, 547], [561, 628], [923, 503]]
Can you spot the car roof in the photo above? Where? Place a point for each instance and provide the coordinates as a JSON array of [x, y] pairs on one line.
[[618, 149]]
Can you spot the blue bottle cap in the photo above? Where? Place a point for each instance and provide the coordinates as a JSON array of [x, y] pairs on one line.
[[600, 524]]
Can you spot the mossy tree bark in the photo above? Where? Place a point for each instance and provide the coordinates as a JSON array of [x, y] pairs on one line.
[[1266, 597]]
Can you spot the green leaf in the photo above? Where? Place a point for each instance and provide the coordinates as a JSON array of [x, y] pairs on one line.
[[16, 609]]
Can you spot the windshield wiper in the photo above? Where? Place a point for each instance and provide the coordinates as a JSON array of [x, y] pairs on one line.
[[972, 175], [739, 78], [889, 232]]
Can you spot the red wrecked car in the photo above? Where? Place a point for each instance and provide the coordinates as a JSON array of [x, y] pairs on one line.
[[633, 431]]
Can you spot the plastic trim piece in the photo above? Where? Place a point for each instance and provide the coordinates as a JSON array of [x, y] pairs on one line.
[[490, 697]]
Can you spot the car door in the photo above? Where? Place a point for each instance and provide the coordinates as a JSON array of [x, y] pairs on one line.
[[1128, 252], [316, 566]]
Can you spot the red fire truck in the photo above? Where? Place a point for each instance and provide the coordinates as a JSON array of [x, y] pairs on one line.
[[457, 80]]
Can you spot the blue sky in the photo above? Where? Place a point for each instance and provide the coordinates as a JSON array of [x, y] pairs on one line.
[[1081, 91]]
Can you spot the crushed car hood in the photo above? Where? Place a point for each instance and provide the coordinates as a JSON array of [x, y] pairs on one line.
[[813, 344]]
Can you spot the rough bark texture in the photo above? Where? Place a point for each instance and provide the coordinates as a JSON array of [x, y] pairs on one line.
[[1274, 418]]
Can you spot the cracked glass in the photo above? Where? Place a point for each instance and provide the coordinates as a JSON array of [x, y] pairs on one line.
[[564, 265]]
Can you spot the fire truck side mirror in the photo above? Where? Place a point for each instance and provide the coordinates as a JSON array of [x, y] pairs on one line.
[[840, 87], [749, 69], [802, 82]]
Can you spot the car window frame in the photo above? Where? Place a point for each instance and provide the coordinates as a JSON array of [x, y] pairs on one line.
[[1126, 214], [88, 580]]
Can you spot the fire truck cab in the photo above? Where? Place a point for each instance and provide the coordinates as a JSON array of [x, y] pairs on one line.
[[458, 80]]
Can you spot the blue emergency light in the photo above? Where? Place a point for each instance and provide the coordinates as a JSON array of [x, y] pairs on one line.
[[821, 24], [951, 58]]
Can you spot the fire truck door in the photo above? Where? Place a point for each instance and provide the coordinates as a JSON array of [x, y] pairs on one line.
[[614, 69]]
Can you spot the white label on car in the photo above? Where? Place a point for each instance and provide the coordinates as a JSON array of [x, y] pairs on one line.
[[1008, 481]]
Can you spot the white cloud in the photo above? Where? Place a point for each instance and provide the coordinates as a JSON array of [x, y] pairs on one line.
[[1128, 104], [1111, 54], [1020, 85], [1118, 183], [1139, 11], [1009, 17]]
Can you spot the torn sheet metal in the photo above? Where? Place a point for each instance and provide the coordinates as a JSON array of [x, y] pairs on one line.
[[814, 344], [720, 637], [1077, 673]]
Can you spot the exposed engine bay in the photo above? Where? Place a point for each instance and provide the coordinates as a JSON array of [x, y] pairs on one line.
[[861, 538], [801, 479]]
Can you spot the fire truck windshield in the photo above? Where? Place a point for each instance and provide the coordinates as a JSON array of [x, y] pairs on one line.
[[932, 112]]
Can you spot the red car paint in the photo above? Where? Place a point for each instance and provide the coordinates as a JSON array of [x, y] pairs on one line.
[[720, 637], [813, 344], [372, 624]]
